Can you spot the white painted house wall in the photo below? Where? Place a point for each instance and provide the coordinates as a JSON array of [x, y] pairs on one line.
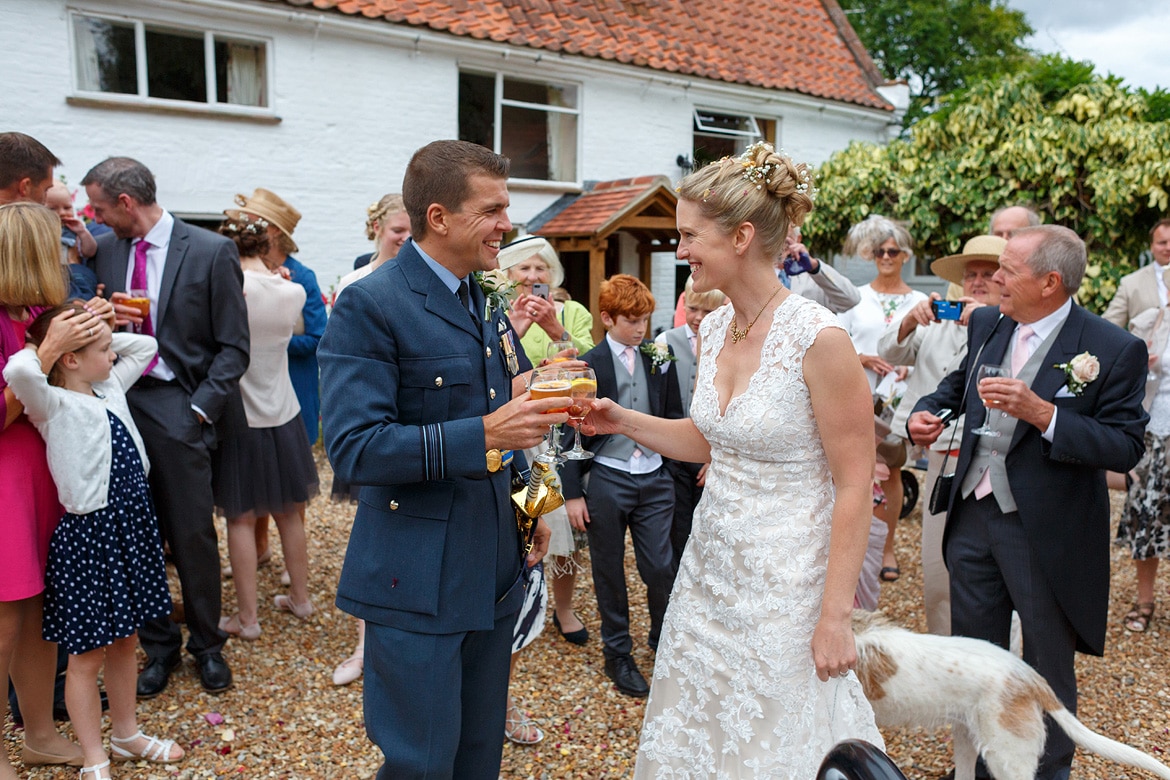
[[355, 98]]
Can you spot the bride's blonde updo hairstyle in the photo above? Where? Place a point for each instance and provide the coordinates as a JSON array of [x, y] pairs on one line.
[[761, 186]]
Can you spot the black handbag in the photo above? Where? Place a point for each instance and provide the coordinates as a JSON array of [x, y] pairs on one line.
[[940, 494]]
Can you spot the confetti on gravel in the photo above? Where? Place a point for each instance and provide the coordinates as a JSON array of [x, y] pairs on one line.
[[286, 719]]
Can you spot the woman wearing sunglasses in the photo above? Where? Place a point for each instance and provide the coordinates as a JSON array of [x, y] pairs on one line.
[[883, 301]]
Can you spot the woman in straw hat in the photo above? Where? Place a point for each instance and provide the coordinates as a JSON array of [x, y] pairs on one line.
[[936, 348], [282, 220]]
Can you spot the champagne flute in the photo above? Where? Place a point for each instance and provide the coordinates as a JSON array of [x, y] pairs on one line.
[[555, 348], [551, 382], [988, 371], [582, 389]]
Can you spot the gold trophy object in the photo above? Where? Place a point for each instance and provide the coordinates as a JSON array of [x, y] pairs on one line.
[[540, 496]]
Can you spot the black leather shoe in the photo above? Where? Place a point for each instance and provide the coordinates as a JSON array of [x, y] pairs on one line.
[[153, 678], [214, 672], [625, 675], [578, 637]]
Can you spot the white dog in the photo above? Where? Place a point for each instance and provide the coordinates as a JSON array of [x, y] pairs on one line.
[[994, 701]]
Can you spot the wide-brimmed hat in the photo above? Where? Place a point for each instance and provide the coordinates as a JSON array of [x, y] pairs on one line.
[[952, 267], [523, 248], [270, 206]]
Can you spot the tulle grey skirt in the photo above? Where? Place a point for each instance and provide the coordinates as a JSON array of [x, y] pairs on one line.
[[263, 470]]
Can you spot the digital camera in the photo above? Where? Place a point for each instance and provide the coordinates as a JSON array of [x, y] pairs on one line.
[[947, 310]]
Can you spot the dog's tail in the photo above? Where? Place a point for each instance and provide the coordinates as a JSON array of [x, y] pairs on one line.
[[1104, 746]]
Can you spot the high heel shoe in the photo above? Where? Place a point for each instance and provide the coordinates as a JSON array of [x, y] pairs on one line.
[[232, 625], [578, 637], [301, 611]]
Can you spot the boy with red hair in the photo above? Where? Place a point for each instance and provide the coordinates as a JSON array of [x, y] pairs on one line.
[[628, 486]]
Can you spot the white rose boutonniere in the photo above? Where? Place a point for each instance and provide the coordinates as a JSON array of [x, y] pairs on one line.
[[497, 290], [1081, 370], [659, 355]]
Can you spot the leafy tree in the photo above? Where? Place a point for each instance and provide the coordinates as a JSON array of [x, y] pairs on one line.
[[1087, 151], [939, 46]]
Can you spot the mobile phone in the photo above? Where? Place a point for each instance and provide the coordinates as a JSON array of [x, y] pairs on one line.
[[946, 416], [540, 290], [947, 310]]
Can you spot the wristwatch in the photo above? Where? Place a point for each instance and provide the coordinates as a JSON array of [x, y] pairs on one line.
[[565, 336]]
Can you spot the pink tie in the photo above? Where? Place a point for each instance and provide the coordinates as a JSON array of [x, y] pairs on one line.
[[138, 282], [1021, 353], [628, 359]]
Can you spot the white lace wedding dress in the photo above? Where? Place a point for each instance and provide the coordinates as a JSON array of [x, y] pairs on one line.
[[735, 693]]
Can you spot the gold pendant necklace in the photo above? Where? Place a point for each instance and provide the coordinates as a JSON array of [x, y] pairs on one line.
[[737, 336]]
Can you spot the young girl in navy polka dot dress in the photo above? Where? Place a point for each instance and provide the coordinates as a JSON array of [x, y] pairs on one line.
[[106, 575]]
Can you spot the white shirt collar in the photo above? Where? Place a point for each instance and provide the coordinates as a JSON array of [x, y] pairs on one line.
[[1044, 326], [159, 236], [617, 348]]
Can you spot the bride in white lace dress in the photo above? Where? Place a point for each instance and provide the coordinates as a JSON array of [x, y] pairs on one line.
[[752, 676]]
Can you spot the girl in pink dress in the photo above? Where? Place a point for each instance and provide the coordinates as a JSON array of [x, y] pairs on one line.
[[31, 278]]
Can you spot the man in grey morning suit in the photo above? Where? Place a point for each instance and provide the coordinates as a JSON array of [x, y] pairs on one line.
[[197, 313], [1028, 522], [416, 377]]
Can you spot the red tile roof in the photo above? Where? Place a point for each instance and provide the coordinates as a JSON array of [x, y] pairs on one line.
[[603, 208], [805, 46]]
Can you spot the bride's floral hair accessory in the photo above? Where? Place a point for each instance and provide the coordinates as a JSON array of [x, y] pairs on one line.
[[761, 186]]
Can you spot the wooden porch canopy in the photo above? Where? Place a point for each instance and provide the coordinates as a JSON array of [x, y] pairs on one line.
[[643, 207]]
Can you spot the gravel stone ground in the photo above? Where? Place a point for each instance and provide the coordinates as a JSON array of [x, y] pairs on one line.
[[285, 719]]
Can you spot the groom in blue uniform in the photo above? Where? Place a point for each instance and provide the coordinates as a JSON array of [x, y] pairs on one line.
[[417, 371]]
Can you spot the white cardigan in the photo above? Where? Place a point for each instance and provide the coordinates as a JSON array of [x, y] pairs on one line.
[[74, 425]]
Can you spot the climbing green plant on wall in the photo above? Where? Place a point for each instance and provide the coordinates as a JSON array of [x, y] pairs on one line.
[[1085, 151]]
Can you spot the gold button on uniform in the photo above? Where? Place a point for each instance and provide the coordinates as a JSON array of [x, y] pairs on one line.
[[438, 381], [492, 394], [393, 504], [489, 351]]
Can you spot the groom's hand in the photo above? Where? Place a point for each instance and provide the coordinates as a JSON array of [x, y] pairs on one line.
[[522, 422]]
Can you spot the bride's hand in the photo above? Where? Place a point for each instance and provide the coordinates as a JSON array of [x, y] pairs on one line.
[[604, 418], [834, 652]]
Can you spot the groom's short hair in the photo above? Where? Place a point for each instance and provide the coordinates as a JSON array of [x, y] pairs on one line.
[[440, 173]]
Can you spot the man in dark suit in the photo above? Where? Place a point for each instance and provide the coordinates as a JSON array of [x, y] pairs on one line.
[[417, 369], [195, 286], [1028, 524], [629, 487]]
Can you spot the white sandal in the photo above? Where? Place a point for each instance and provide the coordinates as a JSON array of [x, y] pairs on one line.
[[517, 725], [157, 750], [96, 771]]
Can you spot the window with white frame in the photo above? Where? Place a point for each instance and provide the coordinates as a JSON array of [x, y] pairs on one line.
[[156, 61], [533, 123], [720, 134]]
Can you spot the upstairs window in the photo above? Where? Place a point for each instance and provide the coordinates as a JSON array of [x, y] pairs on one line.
[[158, 62], [533, 123], [720, 134]]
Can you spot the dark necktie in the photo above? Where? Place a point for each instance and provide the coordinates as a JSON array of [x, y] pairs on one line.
[[463, 294]]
